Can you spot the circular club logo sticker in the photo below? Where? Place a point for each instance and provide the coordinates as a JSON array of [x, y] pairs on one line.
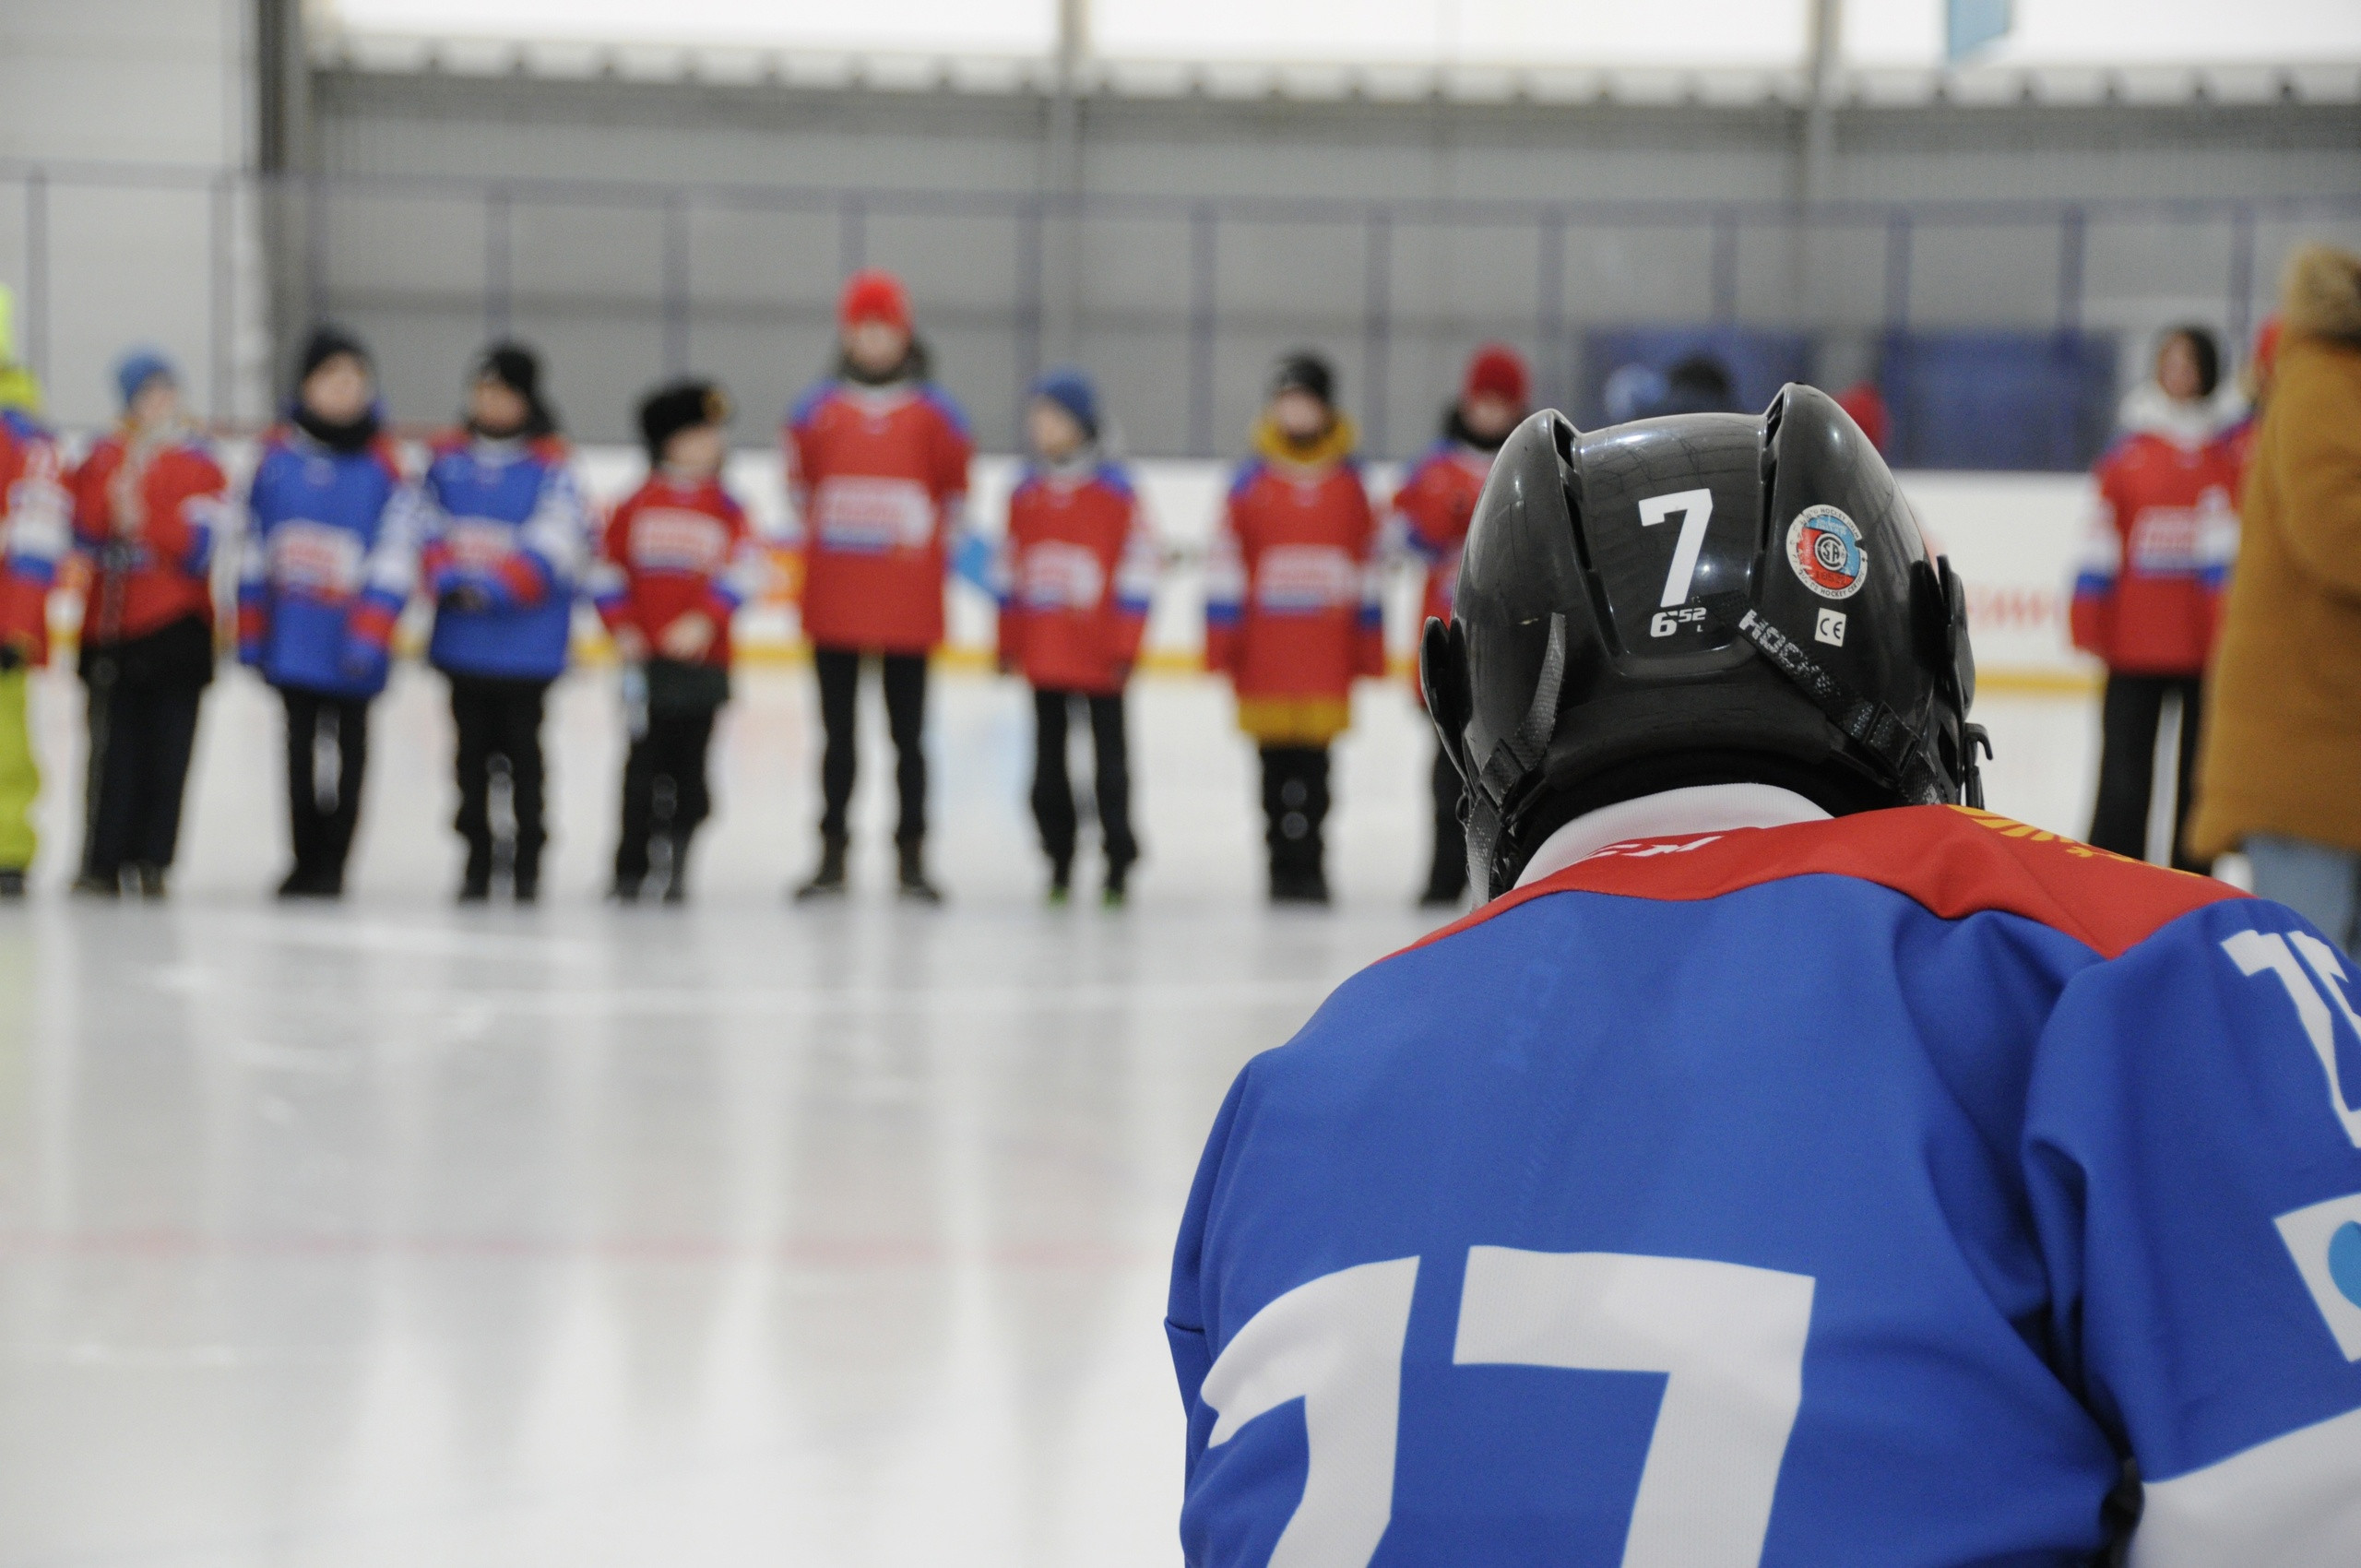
[[1824, 547]]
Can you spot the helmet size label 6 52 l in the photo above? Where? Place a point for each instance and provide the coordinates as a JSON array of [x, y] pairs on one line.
[[1824, 549]]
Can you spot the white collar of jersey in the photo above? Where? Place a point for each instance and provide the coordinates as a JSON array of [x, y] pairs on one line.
[[1701, 808]]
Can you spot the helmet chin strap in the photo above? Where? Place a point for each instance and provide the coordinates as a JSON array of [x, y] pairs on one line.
[[1514, 762]]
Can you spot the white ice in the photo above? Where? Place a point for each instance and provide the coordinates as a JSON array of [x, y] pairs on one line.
[[398, 1234]]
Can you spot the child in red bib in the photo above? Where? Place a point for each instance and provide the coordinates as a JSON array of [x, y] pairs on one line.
[[1074, 578]]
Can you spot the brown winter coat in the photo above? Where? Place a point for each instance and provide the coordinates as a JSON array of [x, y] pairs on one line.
[[2282, 714]]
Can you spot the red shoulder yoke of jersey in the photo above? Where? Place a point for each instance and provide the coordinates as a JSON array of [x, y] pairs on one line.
[[1953, 860]]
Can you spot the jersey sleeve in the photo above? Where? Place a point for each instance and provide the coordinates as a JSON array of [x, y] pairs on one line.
[[1368, 619], [1135, 570], [2097, 565], [1225, 592], [2193, 1168], [388, 574], [253, 566]]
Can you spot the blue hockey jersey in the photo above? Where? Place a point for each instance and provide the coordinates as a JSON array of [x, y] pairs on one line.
[[506, 538], [1856, 1192], [331, 557]]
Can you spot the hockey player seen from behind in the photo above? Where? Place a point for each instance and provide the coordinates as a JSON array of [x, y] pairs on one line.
[[1292, 610], [877, 471], [151, 509], [507, 539], [1074, 580], [331, 557], [2156, 569], [34, 532], [1788, 1162], [678, 561], [1437, 498]]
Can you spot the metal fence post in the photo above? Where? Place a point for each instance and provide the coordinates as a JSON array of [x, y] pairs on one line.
[[2241, 317], [852, 234], [1377, 325], [676, 284], [36, 344], [221, 300], [1897, 273], [1202, 242], [499, 244], [1556, 384], [2071, 236], [1725, 267], [1028, 324]]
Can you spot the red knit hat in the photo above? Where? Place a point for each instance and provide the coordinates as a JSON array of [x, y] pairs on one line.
[[873, 295], [1498, 370]]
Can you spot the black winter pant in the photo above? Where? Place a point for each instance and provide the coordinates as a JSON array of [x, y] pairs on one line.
[[324, 805], [1447, 874], [905, 674], [2130, 717], [1295, 808], [141, 734], [499, 722], [665, 794], [1111, 779]]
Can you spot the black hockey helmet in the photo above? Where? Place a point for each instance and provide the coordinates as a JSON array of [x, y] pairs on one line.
[[1693, 599]]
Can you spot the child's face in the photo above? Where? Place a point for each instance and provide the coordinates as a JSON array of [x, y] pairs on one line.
[[1300, 415], [877, 348], [157, 404], [696, 452], [1488, 415], [338, 391], [497, 406], [1055, 433], [2177, 370]]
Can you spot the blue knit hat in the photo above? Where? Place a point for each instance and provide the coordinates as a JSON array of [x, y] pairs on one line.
[[138, 368], [1071, 389]]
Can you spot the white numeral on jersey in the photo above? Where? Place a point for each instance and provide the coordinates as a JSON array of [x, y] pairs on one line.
[[1731, 1339], [2255, 951], [1334, 1343], [1696, 508]]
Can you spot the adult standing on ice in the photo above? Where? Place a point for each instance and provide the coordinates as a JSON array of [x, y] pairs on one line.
[[331, 557], [877, 468], [507, 538], [150, 510], [2282, 772]]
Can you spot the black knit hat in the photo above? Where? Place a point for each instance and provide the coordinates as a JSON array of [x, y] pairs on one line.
[[515, 366], [1304, 371], [325, 343], [518, 368], [677, 406]]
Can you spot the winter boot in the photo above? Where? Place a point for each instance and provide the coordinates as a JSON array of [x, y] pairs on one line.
[[828, 882], [676, 870], [913, 885], [12, 882], [150, 879], [1117, 887], [1061, 883]]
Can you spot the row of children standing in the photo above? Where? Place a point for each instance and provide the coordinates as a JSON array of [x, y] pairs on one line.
[[497, 537]]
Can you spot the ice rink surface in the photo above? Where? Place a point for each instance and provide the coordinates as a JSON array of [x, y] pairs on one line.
[[393, 1233]]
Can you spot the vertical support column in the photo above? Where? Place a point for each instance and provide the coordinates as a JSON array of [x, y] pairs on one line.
[[676, 284], [2241, 312], [1377, 327], [221, 300], [499, 244], [1725, 267], [315, 250], [1203, 239], [2072, 226], [35, 303], [852, 234], [1554, 386], [1897, 274], [1030, 219]]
